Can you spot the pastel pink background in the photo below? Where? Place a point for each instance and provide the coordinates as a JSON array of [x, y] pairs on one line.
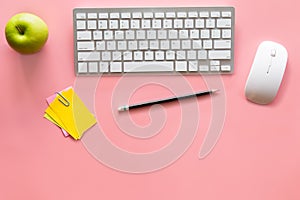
[[256, 157]]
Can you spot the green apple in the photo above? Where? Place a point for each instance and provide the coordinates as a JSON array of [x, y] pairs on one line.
[[26, 33]]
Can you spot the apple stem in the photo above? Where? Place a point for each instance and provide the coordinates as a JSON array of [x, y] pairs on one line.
[[20, 29]]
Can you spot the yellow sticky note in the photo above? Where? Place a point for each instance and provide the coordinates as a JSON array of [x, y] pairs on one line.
[[70, 113], [47, 116]]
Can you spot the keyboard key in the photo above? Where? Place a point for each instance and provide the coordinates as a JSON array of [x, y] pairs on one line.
[[126, 15], [216, 33], [170, 55], [82, 67], [156, 23], [129, 35], [199, 23], [210, 23], [222, 44], [108, 35], [226, 14], [92, 16], [193, 66], [191, 55], [111, 45], [113, 24], [100, 45], [219, 54], [127, 56], [92, 24], [104, 67], [149, 55], [114, 15], [115, 67], [207, 44], [215, 62], [202, 54], [146, 23], [136, 15], [117, 55], [225, 68], [186, 44], [165, 44], [80, 15], [97, 35], [194, 34], [84, 35], [80, 25], [141, 34], [86, 46], [154, 44], [181, 66], [132, 45], [138, 55], [188, 23], [183, 34], [162, 34], [135, 24], [93, 67], [106, 56], [159, 55], [103, 15], [170, 15], [163, 66], [224, 23], [181, 55], [205, 34], [102, 24], [178, 23], [215, 68], [173, 34], [88, 56], [159, 15], [124, 24], [151, 34], [226, 33], [148, 15], [119, 35], [197, 44], [175, 44], [181, 14], [204, 14], [143, 44], [215, 14], [193, 14]]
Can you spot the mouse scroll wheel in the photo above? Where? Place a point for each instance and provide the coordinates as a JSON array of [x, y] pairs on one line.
[[273, 52]]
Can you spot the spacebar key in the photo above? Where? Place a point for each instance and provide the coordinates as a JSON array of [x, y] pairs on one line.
[[148, 66]]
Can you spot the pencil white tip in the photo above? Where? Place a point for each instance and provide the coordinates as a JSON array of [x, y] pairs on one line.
[[123, 108], [215, 90]]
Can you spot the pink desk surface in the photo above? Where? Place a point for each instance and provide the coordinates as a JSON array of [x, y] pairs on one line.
[[257, 155]]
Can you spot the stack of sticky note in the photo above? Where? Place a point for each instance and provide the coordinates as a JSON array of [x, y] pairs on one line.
[[67, 111]]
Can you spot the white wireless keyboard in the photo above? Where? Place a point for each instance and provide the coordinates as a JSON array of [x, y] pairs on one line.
[[166, 40]]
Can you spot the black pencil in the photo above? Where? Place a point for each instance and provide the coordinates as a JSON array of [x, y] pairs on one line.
[[202, 93]]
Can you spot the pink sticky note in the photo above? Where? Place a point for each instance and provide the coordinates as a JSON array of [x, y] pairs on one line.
[[49, 100]]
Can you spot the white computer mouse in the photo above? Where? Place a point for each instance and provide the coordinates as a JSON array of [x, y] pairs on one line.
[[266, 72]]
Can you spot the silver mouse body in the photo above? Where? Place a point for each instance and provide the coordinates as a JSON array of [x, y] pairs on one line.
[[266, 72]]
